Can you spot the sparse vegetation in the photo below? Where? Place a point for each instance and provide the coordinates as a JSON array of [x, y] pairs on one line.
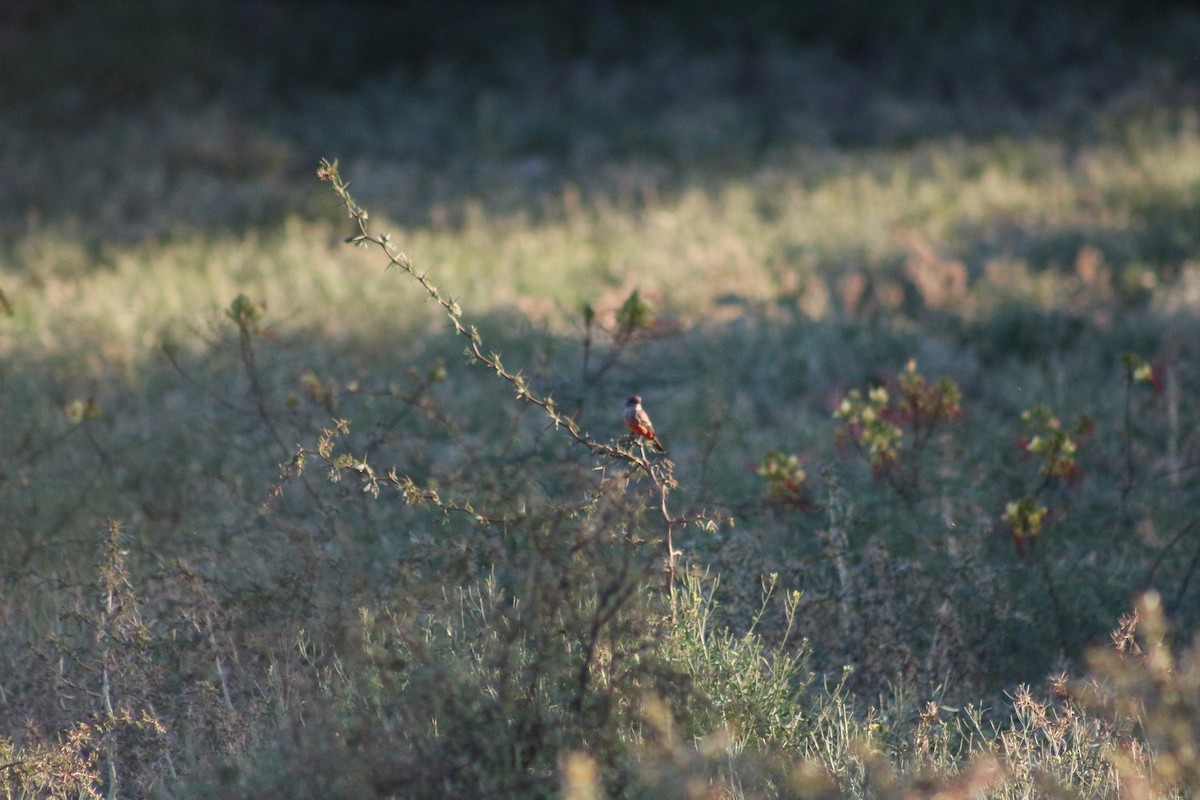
[[912, 293]]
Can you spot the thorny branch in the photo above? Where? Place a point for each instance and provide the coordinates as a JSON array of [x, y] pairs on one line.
[[660, 473]]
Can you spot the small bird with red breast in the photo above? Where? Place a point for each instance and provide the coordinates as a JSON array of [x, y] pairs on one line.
[[638, 422]]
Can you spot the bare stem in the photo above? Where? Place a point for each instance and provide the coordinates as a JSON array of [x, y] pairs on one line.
[[660, 472]]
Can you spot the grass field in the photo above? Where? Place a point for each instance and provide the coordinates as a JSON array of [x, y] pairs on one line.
[[911, 298]]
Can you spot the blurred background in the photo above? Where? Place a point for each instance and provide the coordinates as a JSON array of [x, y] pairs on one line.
[[126, 116]]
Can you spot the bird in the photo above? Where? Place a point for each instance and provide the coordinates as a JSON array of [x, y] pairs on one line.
[[639, 424]]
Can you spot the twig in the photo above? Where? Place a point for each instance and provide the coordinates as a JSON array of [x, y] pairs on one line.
[[328, 172], [660, 473]]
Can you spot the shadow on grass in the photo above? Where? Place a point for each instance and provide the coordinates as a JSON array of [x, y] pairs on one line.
[[193, 453]]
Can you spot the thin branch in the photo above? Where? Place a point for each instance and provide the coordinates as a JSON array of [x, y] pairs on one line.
[[328, 172], [660, 472]]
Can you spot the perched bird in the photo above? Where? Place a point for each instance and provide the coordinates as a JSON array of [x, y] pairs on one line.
[[639, 423]]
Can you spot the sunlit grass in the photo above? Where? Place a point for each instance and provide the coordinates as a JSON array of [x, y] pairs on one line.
[[779, 232]]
